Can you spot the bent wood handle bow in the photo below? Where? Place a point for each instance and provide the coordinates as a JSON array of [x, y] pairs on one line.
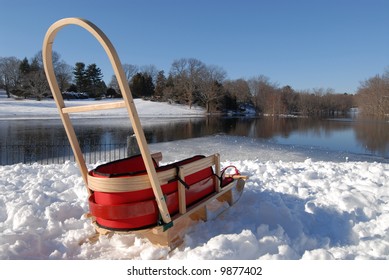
[[128, 103]]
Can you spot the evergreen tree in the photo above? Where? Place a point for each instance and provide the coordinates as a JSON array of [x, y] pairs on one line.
[[24, 66], [35, 65], [95, 81], [142, 85], [160, 85], [24, 82], [229, 102], [149, 85], [80, 78], [72, 88], [111, 93]]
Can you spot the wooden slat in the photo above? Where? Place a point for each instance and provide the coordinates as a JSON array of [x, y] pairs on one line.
[[128, 184], [141, 182], [93, 107], [119, 184], [244, 177], [193, 208], [227, 196], [198, 165]]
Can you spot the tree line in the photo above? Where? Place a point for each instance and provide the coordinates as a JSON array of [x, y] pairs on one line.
[[192, 82], [26, 78], [372, 97]]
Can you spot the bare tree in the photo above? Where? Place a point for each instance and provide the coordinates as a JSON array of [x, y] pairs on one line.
[[373, 96], [306, 103], [187, 75], [9, 73], [255, 89], [130, 70], [289, 99], [150, 70], [239, 89], [210, 85], [114, 84], [36, 81], [64, 75], [266, 95], [38, 84]]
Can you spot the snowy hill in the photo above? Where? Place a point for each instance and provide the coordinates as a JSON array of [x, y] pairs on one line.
[[31, 109]]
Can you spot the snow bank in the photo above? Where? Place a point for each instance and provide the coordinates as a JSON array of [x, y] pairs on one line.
[[303, 208], [31, 109]]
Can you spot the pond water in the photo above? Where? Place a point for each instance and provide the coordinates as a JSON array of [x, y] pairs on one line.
[[348, 135]]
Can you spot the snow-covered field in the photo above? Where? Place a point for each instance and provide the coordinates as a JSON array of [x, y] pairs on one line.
[[30, 109], [297, 204]]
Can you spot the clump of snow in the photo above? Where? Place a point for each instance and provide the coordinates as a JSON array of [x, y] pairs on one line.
[[300, 209]]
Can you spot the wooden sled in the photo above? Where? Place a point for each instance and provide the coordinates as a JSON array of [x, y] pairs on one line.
[[136, 194]]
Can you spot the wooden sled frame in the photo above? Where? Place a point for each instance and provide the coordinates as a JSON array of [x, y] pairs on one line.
[[171, 232]]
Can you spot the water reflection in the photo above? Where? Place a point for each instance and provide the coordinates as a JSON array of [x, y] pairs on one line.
[[374, 136], [357, 136]]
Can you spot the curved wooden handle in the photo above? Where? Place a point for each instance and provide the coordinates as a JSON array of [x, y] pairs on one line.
[[125, 89]]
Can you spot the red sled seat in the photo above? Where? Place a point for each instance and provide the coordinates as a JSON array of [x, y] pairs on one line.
[[122, 197]]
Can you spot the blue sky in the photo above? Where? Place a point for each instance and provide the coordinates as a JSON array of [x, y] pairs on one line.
[[301, 43]]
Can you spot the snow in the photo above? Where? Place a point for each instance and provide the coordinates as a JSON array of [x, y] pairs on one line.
[[297, 204], [289, 210], [31, 109]]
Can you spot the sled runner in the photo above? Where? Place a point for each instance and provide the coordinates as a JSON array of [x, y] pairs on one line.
[[137, 194]]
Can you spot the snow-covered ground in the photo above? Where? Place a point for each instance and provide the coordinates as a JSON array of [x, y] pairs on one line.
[[31, 109], [297, 204]]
